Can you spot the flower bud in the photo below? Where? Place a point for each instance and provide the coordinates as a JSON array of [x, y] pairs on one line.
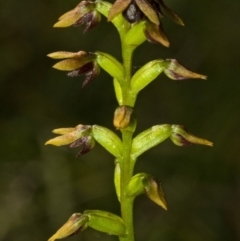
[[181, 137], [176, 71], [122, 117], [77, 222], [106, 222]]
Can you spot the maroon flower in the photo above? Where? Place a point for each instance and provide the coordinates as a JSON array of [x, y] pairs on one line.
[[77, 64], [83, 13]]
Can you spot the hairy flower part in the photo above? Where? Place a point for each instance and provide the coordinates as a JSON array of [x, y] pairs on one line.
[[86, 142], [77, 64], [74, 137], [83, 13], [90, 70], [90, 19]]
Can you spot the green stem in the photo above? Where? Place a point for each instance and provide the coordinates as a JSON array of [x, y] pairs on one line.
[[126, 174], [127, 52], [126, 163]]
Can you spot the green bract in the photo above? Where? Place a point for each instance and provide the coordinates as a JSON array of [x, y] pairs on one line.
[[106, 222], [149, 138], [146, 75], [108, 139], [135, 36], [110, 65]]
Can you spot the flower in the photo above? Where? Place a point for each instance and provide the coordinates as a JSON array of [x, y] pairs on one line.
[[151, 10], [77, 63], [74, 137], [83, 13]]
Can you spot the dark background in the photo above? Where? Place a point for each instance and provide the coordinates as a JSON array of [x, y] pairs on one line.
[[41, 186]]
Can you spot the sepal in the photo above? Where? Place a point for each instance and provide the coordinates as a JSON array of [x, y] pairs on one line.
[[149, 138], [106, 222], [146, 75], [181, 137], [77, 222], [143, 182], [110, 65], [108, 139]]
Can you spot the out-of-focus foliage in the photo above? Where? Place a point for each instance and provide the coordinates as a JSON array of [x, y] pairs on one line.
[[41, 186]]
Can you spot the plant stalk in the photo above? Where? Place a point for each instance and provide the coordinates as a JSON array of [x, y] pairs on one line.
[[127, 165]]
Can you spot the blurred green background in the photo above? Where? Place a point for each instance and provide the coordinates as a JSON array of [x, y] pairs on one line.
[[41, 186]]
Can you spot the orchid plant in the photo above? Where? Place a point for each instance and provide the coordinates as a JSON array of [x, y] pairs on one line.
[[136, 21]]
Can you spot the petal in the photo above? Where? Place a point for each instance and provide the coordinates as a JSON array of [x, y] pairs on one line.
[[118, 7], [63, 131], [148, 10]]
